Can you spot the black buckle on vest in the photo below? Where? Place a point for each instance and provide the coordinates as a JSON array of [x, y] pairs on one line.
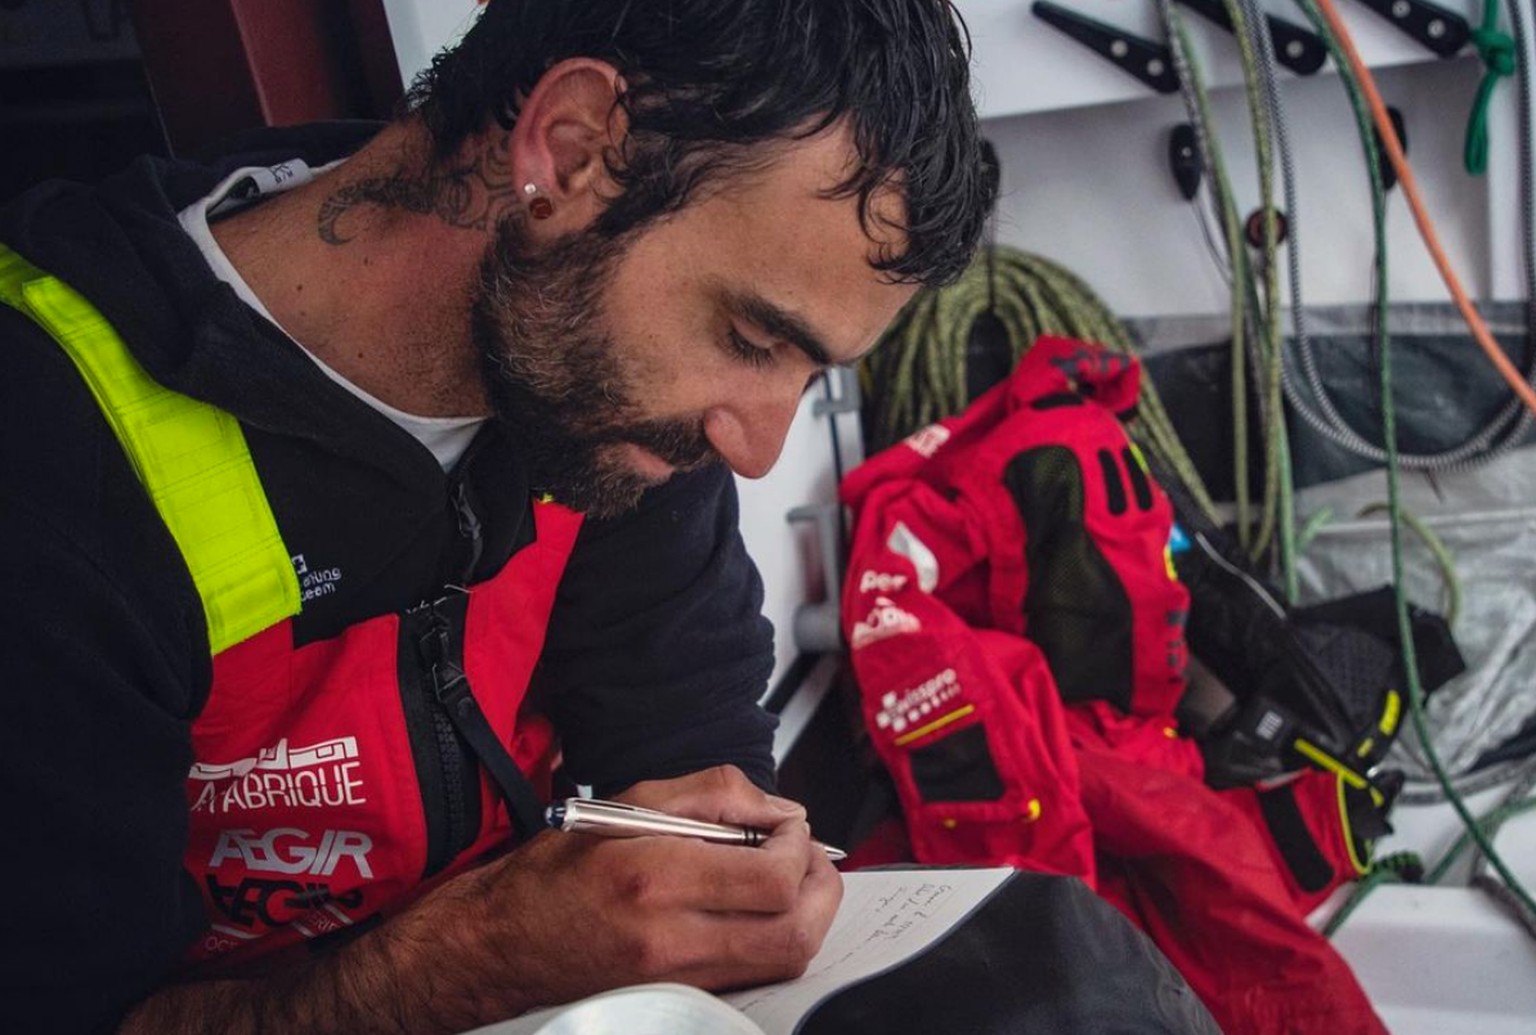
[[450, 685]]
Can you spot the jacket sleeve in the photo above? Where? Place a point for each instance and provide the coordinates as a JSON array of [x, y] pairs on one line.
[[658, 652], [966, 719], [94, 735]]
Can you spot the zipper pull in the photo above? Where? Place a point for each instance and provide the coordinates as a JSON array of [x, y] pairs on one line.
[[469, 527], [448, 679]]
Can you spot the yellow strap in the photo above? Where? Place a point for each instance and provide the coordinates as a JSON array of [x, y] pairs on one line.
[[1323, 760], [1361, 865], [191, 457]]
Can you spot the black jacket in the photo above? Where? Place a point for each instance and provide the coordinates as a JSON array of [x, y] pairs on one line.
[[656, 656]]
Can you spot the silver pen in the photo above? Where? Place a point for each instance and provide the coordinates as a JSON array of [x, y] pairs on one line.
[[616, 819]]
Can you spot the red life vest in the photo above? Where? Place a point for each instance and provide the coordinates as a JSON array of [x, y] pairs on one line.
[[306, 804], [329, 780]]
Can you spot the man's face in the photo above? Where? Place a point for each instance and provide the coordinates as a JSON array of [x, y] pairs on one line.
[[617, 363], [556, 378]]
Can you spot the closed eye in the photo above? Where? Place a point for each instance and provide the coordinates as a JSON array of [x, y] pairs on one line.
[[745, 351]]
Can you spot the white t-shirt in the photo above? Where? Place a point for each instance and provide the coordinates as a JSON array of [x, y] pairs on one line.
[[445, 437]]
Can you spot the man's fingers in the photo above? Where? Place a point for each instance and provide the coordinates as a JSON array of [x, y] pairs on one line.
[[725, 950], [755, 949], [718, 795], [664, 873], [752, 948], [717, 916], [669, 908], [821, 890]]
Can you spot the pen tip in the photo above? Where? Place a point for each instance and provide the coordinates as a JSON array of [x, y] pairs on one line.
[[554, 816]]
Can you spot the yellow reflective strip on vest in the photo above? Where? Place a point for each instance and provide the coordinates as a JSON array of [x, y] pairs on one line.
[[191, 457]]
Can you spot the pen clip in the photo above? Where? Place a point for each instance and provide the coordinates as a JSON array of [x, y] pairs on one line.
[[561, 814], [617, 806], [595, 806]]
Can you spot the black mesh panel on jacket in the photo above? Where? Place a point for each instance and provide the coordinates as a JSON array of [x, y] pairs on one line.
[[1076, 610]]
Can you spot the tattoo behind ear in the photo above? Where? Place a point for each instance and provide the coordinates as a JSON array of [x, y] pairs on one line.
[[473, 196]]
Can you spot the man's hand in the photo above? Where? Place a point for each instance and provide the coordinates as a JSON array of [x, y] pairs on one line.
[[573, 914], [563, 916]]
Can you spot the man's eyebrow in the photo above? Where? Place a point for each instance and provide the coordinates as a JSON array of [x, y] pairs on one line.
[[781, 323]]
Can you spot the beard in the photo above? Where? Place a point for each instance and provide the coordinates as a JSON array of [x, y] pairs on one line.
[[556, 380]]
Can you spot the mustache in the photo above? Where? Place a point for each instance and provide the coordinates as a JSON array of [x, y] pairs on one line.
[[681, 443]]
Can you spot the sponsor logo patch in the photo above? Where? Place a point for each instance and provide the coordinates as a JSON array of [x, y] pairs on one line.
[[881, 582], [912, 706], [290, 850], [884, 621], [927, 441], [315, 582], [322, 775], [283, 878]]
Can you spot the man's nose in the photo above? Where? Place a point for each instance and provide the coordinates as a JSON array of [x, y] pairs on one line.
[[748, 432]]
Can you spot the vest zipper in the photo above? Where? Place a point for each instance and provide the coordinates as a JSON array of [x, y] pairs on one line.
[[451, 690], [451, 738], [431, 658]]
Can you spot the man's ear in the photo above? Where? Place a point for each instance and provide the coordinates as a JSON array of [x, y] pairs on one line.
[[564, 127]]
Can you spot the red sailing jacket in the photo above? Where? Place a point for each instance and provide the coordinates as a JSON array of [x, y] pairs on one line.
[[1017, 631]]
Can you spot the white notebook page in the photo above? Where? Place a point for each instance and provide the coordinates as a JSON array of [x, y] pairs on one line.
[[886, 917]]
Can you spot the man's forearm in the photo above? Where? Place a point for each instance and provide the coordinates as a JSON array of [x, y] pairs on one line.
[[559, 918], [390, 981]]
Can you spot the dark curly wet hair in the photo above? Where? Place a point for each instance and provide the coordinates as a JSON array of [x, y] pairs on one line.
[[709, 82]]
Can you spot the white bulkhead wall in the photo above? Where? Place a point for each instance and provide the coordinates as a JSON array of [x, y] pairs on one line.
[[1085, 183], [1083, 148]]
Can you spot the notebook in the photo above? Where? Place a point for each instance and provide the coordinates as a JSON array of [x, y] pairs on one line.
[[886, 918]]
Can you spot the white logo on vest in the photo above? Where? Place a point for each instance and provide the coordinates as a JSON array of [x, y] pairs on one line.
[[315, 582], [322, 775]]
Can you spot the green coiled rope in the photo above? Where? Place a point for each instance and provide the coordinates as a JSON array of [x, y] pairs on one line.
[[917, 375]]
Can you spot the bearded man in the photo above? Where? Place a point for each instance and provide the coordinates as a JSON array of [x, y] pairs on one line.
[[356, 479]]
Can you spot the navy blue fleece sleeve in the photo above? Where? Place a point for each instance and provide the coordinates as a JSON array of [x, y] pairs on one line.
[[94, 705], [658, 651]]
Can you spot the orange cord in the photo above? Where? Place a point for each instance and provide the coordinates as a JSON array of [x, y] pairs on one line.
[[1399, 160]]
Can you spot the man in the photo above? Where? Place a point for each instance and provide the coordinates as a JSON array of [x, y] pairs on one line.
[[589, 272]]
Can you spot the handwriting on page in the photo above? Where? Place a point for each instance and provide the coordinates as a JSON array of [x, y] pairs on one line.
[[886, 917], [908, 909], [893, 916]]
